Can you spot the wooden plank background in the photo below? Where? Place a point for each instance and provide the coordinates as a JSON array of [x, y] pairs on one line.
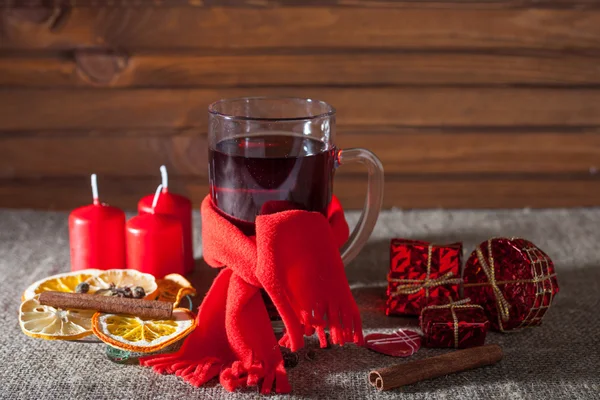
[[469, 104]]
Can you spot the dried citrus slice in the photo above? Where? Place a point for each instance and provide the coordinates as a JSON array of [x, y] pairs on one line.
[[66, 282], [142, 335], [173, 288], [122, 278], [51, 323]]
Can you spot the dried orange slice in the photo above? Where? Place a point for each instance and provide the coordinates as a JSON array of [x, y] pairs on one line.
[[66, 282], [173, 288], [51, 323], [122, 278], [142, 335]]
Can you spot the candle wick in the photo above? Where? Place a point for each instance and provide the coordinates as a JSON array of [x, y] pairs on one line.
[[95, 189], [156, 196], [165, 177]]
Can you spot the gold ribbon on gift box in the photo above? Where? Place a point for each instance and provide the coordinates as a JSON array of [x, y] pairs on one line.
[[503, 306], [412, 286], [453, 306]]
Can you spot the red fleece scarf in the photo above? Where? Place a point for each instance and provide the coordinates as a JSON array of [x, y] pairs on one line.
[[294, 257]]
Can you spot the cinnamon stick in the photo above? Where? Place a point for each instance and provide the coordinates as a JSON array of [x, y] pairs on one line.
[[108, 304], [416, 371]]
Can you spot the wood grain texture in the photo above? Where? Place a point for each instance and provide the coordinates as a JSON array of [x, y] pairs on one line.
[[66, 194], [117, 156], [427, 106], [305, 27], [404, 151], [381, 68], [468, 103], [27, 13]]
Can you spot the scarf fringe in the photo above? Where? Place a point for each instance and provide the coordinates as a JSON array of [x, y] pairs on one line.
[[235, 376]]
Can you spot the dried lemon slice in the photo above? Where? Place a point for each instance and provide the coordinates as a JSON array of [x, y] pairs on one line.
[[122, 278], [66, 282], [174, 287], [142, 335], [51, 323]]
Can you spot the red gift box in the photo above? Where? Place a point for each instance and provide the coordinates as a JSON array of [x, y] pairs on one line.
[[513, 280], [421, 274], [457, 324]]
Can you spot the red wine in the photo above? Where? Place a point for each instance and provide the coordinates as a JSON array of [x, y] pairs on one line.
[[271, 172]]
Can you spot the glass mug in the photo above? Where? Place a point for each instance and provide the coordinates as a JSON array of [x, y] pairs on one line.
[[269, 154]]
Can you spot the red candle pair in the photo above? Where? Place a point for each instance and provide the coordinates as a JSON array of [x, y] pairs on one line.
[[157, 241]]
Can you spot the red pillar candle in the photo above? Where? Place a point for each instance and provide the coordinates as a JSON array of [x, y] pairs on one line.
[[155, 242], [97, 235], [178, 207]]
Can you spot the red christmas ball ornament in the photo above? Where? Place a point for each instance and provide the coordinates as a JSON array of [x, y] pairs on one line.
[[513, 280]]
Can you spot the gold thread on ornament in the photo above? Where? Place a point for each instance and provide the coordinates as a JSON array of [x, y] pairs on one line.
[[489, 269], [453, 305], [538, 279], [428, 275], [534, 280]]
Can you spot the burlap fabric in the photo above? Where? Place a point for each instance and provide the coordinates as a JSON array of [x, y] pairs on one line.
[[559, 360]]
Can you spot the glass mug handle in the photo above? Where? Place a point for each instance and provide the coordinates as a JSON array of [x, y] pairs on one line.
[[358, 238]]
